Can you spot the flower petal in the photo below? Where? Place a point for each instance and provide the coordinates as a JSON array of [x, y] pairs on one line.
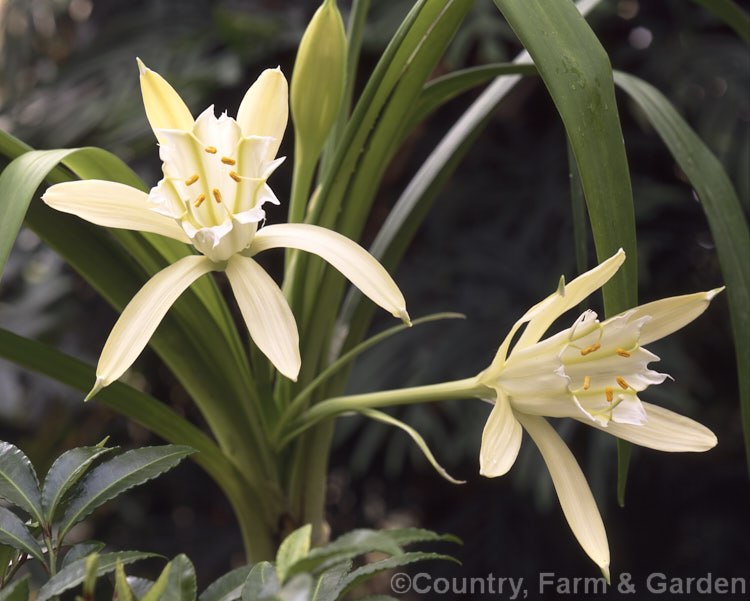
[[573, 491], [501, 439], [542, 315], [665, 430], [164, 107], [264, 110], [143, 314], [112, 205], [670, 314], [359, 266], [267, 314]]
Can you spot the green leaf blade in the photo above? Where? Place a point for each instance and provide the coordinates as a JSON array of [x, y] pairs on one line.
[[117, 475], [18, 481], [228, 587], [181, 581], [64, 473], [14, 533], [294, 547]]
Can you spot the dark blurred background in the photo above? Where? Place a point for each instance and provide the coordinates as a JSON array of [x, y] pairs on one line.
[[496, 242]]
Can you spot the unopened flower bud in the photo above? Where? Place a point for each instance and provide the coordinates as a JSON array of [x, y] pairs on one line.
[[318, 79]]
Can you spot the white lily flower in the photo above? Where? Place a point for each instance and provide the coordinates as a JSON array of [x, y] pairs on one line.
[[212, 196], [591, 372]]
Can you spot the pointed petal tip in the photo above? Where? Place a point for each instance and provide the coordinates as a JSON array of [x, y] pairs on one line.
[[403, 316], [142, 68], [98, 386], [711, 294], [604, 567]]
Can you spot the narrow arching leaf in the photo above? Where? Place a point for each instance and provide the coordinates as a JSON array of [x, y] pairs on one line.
[[578, 75], [14, 533], [415, 436], [117, 475], [157, 588], [122, 588], [18, 481], [181, 581], [293, 548], [726, 219], [731, 13], [74, 574], [64, 473], [18, 590], [228, 587]]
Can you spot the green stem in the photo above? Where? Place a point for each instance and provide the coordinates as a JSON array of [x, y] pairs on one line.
[[469, 387]]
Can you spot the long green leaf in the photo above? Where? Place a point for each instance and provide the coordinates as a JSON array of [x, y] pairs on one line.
[[729, 12], [293, 548], [17, 590], [576, 70], [14, 533], [74, 574], [723, 211], [261, 582], [228, 587], [117, 475], [81, 551], [64, 473], [18, 480], [181, 581]]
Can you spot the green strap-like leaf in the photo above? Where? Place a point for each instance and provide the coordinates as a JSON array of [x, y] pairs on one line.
[[17, 590], [14, 533], [74, 574], [726, 219], [293, 548], [18, 481], [64, 473], [415, 436], [729, 12], [228, 587], [181, 581], [122, 588], [156, 590], [577, 72], [117, 475]]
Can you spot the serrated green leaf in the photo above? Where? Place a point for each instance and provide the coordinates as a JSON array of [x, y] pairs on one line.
[[408, 536], [17, 590], [140, 587], [261, 582], [73, 574], [122, 588], [18, 481], [117, 475], [181, 581], [14, 533], [298, 588], [726, 219], [155, 592], [228, 587], [64, 473], [330, 582], [293, 548], [367, 571], [81, 550]]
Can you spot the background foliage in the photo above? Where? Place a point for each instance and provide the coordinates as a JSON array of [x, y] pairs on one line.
[[499, 236]]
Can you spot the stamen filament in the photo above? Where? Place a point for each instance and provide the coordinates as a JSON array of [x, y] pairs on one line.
[[192, 179]]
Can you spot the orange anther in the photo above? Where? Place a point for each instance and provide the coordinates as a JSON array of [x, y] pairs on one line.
[[199, 200], [191, 180], [235, 176], [217, 194], [623, 384], [609, 393], [622, 352], [210, 149], [590, 349], [228, 161], [586, 382]]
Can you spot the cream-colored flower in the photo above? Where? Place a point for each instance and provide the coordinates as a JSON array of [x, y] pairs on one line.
[[592, 372], [212, 196]]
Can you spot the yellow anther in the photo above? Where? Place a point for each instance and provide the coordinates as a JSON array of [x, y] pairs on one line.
[[586, 382], [609, 393], [623, 384], [622, 352], [191, 180], [217, 194], [228, 161], [210, 149], [590, 349], [199, 200], [235, 176]]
